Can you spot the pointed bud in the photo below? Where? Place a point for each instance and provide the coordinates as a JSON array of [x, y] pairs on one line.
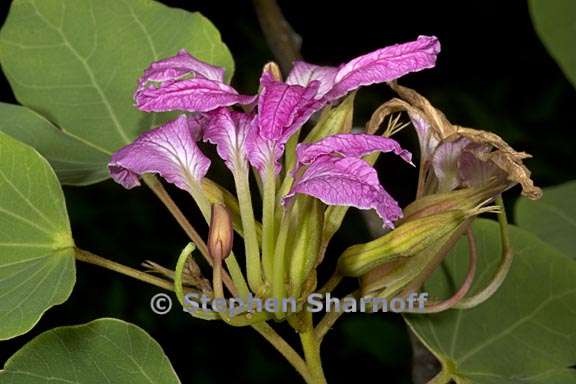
[[274, 69], [406, 240], [221, 235], [464, 199]]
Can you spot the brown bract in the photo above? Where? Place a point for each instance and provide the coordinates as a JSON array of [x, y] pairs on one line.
[[500, 153]]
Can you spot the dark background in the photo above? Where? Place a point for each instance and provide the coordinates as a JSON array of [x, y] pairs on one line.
[[493, 73]]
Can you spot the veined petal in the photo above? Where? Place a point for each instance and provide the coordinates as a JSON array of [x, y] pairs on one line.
[[193, 95], [176, 67], [283, 108], [228, 130], [304, 74], [347, 181], [445, 162], [475, 172], [169, 150], [385, 64], [350, 145], [261, 151], [428, 142]]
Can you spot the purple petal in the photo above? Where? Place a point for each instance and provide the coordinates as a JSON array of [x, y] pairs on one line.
[[261, 151], [175, 67], [428, 142], [385, 64], [350, 144], [193, 95], [228, 130], [350, 182], [445, 164], [304, 74], [473, 172], [169, 150], [283, 108]]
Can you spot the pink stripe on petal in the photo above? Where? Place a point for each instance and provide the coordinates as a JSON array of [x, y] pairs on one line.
[[169, 150], [178, 66], [385, 64], [193, 95], [348, 182], [283, 108], [303, 74], [228, 130], [350, 144], [262, 151]]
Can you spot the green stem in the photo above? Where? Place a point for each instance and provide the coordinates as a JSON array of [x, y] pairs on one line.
[[503, 268], [178, 289], [237, 285], [159, 190], [329, 319], [285, 349], [279, 265], [89, 257], [268, 220], [253, 263], [466, 285], [332, 283], [311, 346], [443, 377]]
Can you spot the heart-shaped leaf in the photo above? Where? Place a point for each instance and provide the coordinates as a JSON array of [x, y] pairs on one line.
[[77, 63], [552, 218], [525, 333], [36, 246], [102, 351], [73, 160], [555, 22]]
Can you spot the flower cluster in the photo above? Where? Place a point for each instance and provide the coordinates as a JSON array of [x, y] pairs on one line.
[[461, 170], [331, 169]]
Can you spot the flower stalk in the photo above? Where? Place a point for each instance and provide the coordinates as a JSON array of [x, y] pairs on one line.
[[269, 222], [251, 246]]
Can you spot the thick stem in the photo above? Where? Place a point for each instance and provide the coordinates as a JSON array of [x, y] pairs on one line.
[[285, 349], [281, 38], [311, 346], [89, 257], [268, 220], [253, 263]]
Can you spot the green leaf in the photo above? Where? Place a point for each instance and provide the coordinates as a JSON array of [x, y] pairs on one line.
[[555, 23], [525, 333], [36, 246], [74, 161], [552, 218], [102, 351], [77, 63]]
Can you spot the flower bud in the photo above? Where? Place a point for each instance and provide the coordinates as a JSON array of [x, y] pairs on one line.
[[274, 69], [221, 235], [406, 240], [463, 199]]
